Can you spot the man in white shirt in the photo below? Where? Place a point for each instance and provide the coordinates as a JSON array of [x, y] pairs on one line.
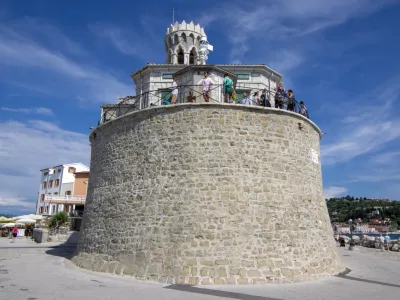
[[206, 82], [174, 91], [246, 100], [382, 242]]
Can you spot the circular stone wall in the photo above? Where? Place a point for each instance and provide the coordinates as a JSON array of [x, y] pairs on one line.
[[208, 194]]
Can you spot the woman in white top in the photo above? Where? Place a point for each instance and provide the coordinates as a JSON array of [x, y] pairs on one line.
[[174, 91]]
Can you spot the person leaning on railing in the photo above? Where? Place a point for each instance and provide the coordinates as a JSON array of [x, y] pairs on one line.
[[228, 88], [264, 99], [174, 90], [280, 96], [303, 110], [256, 99], [291, 101]]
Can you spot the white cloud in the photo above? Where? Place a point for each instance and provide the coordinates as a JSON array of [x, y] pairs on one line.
[[26, 148], [386, 158], [38, 111], [126, 41], [275, 26], [366, 128], [334, 191], [21, 50]]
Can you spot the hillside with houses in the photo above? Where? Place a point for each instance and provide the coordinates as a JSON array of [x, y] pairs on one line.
[[381, 215]]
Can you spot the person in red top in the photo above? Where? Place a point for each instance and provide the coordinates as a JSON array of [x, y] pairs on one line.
[[14, 233]]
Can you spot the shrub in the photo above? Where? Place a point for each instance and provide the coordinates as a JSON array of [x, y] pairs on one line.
[[59, 219]]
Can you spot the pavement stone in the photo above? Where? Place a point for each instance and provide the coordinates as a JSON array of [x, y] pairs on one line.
[[30, 271]]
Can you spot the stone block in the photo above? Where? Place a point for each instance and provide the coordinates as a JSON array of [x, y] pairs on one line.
[[242, 273], [212, 273], [219, 281], [253, 273], [204, 272], [193, 271], [207, 263], [191, 262], [242, 281], [194, 280], [221, 262], [206, 281]]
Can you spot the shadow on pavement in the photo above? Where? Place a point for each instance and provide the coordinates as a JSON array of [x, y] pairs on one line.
[[66, 249], [225, 294], [368, 281]]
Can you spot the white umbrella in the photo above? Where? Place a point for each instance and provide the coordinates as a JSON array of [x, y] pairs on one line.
[[9, 225], [26, 221], [31, 216]]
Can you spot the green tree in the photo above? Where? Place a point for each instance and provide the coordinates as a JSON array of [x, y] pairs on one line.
[[58, 220], [394, 225]]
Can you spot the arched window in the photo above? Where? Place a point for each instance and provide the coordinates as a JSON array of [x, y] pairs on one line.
[[192, 56], [184, 37], [181, 57], [176, 39], [191, 39]]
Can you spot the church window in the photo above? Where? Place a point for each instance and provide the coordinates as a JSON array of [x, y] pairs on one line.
[[192, 57], [183, 37], [181, 58], [243, 76], [167, 75]]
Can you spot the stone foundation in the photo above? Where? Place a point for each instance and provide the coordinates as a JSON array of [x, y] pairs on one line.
[[208, 194]]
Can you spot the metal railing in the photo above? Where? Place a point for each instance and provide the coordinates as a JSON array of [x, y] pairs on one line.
[[64, 198], [191, 94]]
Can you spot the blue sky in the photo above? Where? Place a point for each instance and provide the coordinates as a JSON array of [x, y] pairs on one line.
[[59, 61]]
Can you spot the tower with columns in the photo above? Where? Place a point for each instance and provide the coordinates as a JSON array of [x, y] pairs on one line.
[[182, 42]]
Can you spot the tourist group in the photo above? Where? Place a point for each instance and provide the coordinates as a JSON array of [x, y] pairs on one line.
[[283, 99]]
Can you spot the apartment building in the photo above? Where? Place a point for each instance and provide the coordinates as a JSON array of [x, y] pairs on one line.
[[62, 188]]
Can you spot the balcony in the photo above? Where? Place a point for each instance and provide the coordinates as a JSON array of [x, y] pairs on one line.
[[65, 199], [194, 94]]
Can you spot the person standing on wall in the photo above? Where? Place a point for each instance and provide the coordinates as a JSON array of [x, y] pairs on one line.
[[381, 242], [264, 99], [228, 88], [206, 82], [291, 101], [174, 91], [387, 239], [14, 233], [280, 96]]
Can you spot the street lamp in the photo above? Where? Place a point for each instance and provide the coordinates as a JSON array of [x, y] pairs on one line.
[[351, 226]]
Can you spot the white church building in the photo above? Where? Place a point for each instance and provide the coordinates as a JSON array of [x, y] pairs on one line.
[[186, 60]]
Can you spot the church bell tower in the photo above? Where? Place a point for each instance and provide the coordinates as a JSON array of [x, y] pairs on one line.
[[182, 43]]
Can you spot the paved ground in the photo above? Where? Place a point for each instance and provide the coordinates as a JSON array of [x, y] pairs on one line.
[[30, 271]]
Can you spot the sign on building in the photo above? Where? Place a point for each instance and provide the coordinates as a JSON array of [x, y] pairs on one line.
[[314, 156]]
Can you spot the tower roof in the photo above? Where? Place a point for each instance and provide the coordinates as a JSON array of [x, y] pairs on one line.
[[185, 26]]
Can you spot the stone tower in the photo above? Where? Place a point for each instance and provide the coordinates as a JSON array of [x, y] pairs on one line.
[[182, 43], [208, 193]]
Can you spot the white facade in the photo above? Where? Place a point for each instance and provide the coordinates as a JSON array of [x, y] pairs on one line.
[[58, 180], [182, 44]]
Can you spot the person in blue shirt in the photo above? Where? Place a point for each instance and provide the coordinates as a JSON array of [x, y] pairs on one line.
[[387, 239]]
